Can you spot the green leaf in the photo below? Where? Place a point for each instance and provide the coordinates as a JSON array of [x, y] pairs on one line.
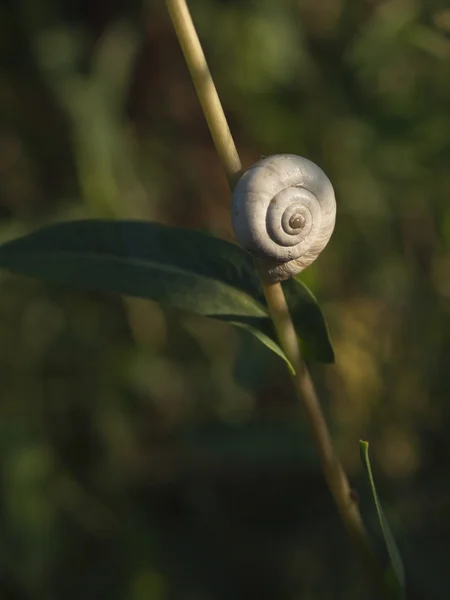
[[309, 321], [395, 575], [267, 341], [177, 267]]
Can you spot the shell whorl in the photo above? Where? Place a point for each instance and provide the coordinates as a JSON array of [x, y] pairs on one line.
[[283, 212]]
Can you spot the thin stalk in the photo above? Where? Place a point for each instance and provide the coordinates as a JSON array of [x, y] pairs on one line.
[[335, 476], [333, 471], [205, 88]]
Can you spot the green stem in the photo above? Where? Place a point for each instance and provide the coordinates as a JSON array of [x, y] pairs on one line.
[[334, 473]]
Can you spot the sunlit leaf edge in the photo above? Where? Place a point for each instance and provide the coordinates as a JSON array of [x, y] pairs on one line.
[[395, 574]]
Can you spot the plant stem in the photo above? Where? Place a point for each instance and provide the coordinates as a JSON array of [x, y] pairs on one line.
[[334, 473], [205, 88]]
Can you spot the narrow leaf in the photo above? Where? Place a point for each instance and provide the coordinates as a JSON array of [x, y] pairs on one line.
[[308, 321], [395, 573], [177, 267], [267, 341]]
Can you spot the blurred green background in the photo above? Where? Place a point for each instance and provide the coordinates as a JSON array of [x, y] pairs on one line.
[[151, 455]]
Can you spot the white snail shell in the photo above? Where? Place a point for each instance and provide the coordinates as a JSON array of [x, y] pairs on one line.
[[283, 212]]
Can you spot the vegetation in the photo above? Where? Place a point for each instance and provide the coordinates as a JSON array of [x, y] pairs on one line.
[[150, 452]]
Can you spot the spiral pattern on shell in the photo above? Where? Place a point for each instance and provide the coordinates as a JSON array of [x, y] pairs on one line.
[[283, 212]]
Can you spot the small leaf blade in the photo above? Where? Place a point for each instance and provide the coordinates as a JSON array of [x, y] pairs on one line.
[[309, 321], [395, 575], [267, 341]]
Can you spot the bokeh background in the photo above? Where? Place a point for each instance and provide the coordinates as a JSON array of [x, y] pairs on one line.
[[148, 454]]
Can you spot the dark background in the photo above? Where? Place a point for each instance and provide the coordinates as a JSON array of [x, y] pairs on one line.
[[148, 454]]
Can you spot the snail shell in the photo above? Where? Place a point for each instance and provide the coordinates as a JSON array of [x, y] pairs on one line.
[[283, 212]]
